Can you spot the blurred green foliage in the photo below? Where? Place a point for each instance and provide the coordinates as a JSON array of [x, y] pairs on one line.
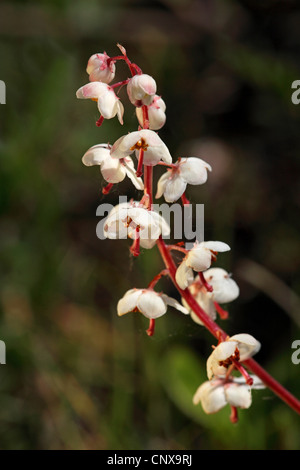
[[78, 377]]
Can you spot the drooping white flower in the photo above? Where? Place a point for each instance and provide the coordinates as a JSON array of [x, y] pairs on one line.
[[156, 114], [217, 393], [154, 148], [238, 347], [131, 220], [173, 183], [199, 259], [148, 302], [141, 90], [108, 103], [225, 290], [113, 170], [100, 68]]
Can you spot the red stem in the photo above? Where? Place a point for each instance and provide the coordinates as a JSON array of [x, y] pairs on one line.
[[211, 326], [220, 334]]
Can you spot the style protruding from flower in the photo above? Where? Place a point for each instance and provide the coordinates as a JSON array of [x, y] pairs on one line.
[[173, 183], [113, 170], [156, 114], [100, 68], [108, 103], [141, 90], [198, 259]]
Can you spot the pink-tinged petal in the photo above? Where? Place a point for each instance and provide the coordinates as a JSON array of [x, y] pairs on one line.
[[174, 189], [96, 155], [92, 90], [99, 70], [238, 395], [194, 170], [211, 395], [151, 305], [157, 149], [184, 275], [129, 301]]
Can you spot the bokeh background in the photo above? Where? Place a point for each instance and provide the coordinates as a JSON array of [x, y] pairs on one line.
[[77, 376]]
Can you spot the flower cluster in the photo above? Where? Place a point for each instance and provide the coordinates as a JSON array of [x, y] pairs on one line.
[[223, 388], [201, 285]]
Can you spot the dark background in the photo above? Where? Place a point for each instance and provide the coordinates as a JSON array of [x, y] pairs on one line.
[[77, 376]]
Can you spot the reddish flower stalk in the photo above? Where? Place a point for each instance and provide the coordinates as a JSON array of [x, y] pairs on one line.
[[211, 326]]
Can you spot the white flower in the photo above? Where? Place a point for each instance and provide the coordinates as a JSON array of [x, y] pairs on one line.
[[239, 348], [100, 69], [130, 220], [172, 184], [156, 114], [113, 170], [108, 103], [141, 90], [154, 148], [199, 258], [148, 302], [225, 290], [217, 393]]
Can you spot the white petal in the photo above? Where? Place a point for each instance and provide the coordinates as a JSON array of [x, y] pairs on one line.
[[131, 173], [161, 184], [225, 289], [162, 223], [112, 171], [96, 155], [122, 147], [173, 303], [204, 299], [211, 395], [91, 90], [157, 149], [174, 189], [222, 352], [184, 275], [247, 345], [194, 170], [238, 395], [199, 258], [151, 305], [217, 246], [129, 301], [108, 104]]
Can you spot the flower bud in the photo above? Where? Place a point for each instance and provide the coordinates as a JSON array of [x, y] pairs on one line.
[[141, 90], [100, 69]]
